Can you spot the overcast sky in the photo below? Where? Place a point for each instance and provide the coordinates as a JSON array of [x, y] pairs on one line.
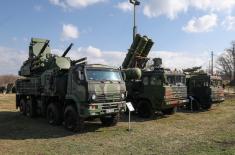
[[184, 31]]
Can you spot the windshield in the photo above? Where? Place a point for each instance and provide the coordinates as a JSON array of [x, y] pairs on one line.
[[176, 79], [103, 75]]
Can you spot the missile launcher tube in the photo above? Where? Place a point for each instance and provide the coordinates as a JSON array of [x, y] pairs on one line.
[[147, 48], [131, 51], [140, 48]]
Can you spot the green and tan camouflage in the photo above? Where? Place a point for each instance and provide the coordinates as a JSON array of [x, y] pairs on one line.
[[156, 89], [217, 90], [68, 91]]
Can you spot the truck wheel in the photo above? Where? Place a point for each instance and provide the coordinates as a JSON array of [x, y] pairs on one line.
[[206, 106], [109, 120], [53, 115], [73, 122], [30, 109], [23, 106], [196, 106], [170, 111], [145, 109]]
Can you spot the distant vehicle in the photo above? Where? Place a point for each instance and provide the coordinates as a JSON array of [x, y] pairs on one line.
[[155, 89], [203, 89], [10, 88], [199, 91], [217, 90], [3, 89], [71, 91]]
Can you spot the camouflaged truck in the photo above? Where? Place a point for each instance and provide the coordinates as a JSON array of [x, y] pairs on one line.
[[68, 91], [203, 89], [217, 90], [155, 89]]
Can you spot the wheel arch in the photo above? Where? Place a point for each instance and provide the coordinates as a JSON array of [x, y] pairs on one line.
[[72, 103], [144, 100]]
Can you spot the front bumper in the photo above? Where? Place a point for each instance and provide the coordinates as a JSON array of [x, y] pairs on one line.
[[219, 99], [174, 103], [98, 109]]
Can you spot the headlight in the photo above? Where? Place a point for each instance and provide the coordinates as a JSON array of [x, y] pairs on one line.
[[123, 96], [93, 97]]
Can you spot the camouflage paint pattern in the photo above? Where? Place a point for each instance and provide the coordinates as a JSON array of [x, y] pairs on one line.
[[217, 91], [108, 93], [159, 95], [50, 77]]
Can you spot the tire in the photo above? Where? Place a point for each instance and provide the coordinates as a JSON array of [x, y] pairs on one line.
[[109, 120], [30, 108], [73, 122], [196, 106], [169, 111], [206, 106], [145, 109], [53, 115], [22, 106]]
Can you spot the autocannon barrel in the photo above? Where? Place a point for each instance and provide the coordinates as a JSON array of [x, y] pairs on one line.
[[67, 50], [44, 47], [79, 61]]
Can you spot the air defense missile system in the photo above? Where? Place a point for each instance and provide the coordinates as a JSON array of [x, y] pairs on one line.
[[155, 89], [63, 90], [203, 89]]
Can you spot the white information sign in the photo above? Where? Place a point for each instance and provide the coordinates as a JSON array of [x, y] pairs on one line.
[[130, 106]]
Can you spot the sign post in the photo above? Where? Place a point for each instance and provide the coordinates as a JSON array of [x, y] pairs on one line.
[[130, 108]]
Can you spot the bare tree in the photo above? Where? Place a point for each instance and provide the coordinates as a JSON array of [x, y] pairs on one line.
[[226, 63], [6, 79]]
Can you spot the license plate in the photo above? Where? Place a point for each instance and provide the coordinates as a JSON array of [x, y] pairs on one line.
[[109, 110]]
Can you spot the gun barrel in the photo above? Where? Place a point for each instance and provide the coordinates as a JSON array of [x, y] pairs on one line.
[[79, 60], [67, 50], [44, 47]]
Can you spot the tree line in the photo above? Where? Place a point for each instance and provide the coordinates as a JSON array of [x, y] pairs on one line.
[[6, 79], [226, 63]]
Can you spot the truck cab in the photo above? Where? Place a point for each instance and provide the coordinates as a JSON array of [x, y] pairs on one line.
[[98, 90], [217, 90], [199, 91], [158, 90]]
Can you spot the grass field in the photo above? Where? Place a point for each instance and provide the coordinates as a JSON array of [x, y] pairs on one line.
[[209, 132]]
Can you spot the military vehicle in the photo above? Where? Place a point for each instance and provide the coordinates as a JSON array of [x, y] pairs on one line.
[[217, 90], [203, 89], [10, 88], [2, 89], [154, 89], [63, 90]]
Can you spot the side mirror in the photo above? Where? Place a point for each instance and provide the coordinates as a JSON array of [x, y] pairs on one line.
[[124, 75], [80, 75]]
